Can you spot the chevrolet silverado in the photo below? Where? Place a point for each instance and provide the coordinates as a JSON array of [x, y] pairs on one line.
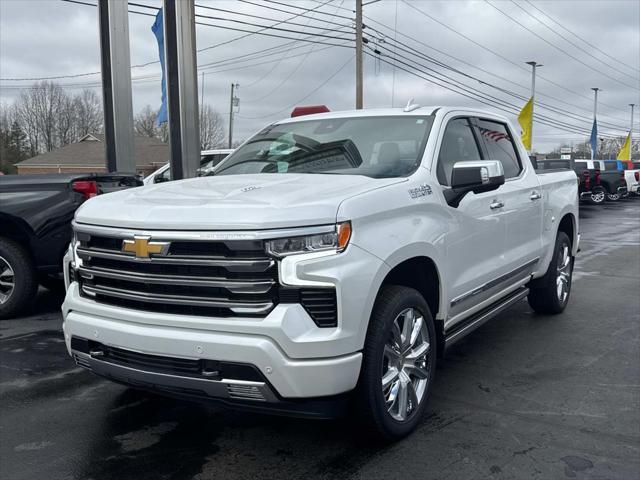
[[324, 266]]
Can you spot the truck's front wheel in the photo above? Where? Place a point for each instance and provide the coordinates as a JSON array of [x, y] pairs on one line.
[[398, 364]]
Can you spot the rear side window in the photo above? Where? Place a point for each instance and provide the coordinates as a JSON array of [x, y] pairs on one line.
[[458, 145], [500, 146], [610, 166]]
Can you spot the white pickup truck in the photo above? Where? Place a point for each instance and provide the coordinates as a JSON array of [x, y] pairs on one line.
[[326, 264]]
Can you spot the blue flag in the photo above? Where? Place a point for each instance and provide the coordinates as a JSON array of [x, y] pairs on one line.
[[158, 31], [594, 138]]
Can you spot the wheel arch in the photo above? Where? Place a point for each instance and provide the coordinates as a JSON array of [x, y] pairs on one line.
[[14, 229], [568, 225], [422, 274]]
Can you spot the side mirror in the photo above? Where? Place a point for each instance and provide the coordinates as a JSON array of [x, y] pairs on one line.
[[160, 179], [476, 177]]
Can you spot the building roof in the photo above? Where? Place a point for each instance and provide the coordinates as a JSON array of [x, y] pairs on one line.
[[90, 151]]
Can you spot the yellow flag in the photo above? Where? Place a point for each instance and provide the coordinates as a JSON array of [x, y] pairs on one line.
[[625, 151], [525, 119]]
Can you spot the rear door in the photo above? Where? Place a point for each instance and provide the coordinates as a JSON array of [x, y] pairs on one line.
[[522, 197], [475, 241]]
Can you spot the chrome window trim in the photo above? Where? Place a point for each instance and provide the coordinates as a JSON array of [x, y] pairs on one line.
[[203, 235]]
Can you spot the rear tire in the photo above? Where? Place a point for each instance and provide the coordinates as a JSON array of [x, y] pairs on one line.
[[398, 365], [18, 283], [550, 294], [613, 197]]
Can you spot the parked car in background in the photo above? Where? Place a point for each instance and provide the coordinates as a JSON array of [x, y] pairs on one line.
[[329, 259], [632, 176], [35, 218], [589, 186], [612, 178], [208, 160]]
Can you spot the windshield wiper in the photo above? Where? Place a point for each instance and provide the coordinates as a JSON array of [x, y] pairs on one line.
[[251, 160]]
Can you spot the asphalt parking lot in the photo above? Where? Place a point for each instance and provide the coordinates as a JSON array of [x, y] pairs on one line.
[[525, 396]]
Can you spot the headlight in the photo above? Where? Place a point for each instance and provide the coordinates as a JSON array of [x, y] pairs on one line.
[[75, 259], [336, 240]]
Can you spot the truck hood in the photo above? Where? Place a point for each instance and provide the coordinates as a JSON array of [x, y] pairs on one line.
[[230, 202]]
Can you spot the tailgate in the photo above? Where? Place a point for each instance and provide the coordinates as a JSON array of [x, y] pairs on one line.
[[113, 182]]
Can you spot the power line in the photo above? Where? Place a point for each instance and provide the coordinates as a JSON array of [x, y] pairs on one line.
[[404, 47], [513, 110], [561, 25], [591, 67], [469, 64], [327, 80], [210, 47], [571, 42], [521, 67], [288, 77], [319, 11]]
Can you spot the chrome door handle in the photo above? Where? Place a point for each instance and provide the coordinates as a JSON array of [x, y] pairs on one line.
[[535, 196], [494, 205]]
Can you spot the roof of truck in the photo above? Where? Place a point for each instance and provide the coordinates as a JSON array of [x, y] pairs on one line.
[[385, 112]]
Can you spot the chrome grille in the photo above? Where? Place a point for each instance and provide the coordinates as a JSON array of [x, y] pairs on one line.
[[196, 277]]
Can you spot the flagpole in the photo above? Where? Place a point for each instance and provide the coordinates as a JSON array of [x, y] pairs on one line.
[[595, 112], [534, 65], [632, 105]]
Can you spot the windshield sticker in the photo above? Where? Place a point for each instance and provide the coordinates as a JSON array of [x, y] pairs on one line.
[[421, 191]]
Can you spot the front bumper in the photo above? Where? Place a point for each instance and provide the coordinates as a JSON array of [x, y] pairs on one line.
[[290, 378], [297, 359]]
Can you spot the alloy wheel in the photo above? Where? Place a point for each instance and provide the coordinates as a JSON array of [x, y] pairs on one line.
[[7, 281], [405, 364], [597, 197], [563, 278]]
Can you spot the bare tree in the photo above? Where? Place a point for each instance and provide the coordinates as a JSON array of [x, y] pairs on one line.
[[89, 116], [144, 123], [212, 133]]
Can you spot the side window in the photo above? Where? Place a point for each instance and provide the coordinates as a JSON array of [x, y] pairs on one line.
[[458, 145], [500, 146], [163, 177]]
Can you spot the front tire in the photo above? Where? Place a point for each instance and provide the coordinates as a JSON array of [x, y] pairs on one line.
[[550, 294], [598, 197], [18, 283], [398, 365]]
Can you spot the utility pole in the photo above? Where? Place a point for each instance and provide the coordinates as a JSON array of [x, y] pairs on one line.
[[233, 101], [595, 112], [359, 73], [534, 65]]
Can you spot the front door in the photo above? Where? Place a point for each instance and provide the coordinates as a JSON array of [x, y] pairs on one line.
[[475, 240]]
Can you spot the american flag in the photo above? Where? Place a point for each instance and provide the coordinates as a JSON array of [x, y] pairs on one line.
[[494, 135]]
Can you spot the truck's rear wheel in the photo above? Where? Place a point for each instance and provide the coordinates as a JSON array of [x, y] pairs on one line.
[[613, 197], [18, 283], [398, 365], [550, 294]]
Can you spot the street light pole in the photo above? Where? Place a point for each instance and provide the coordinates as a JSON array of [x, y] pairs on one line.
[[595, 113], [534, 65]]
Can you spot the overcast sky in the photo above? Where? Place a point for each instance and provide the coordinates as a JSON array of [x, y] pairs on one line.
[[48, 38]]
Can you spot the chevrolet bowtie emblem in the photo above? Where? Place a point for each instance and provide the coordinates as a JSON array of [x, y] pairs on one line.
[[143, 248]]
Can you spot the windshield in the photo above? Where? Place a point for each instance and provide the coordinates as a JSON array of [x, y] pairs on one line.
[[373, 146]]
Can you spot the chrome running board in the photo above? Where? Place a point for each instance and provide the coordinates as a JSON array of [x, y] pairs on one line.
[[468, 325]]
